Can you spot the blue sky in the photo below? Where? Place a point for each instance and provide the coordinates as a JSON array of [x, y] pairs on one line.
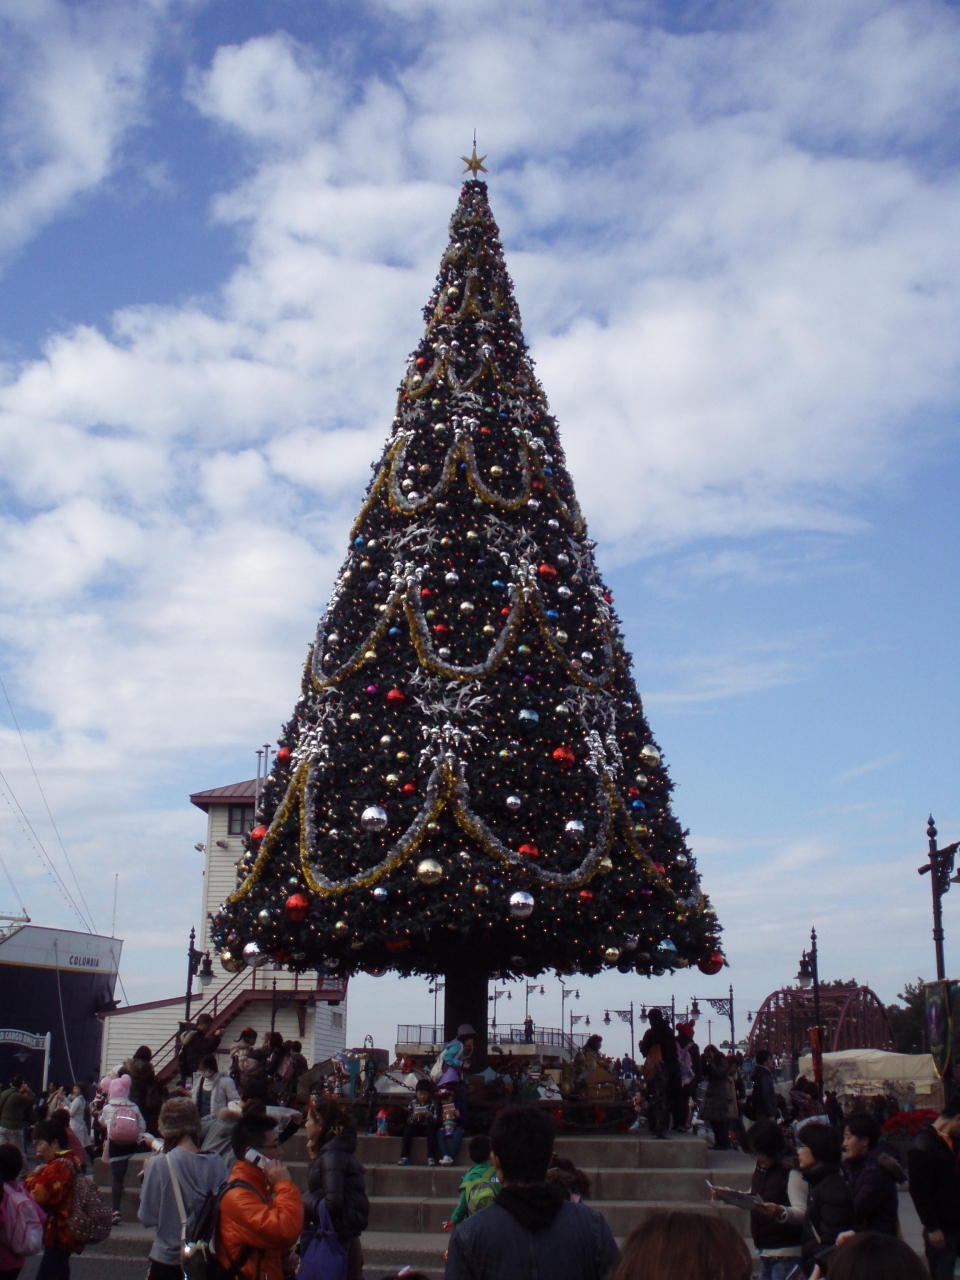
[[733, 232]]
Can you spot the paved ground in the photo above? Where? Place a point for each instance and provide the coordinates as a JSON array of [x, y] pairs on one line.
[[96, 1269]]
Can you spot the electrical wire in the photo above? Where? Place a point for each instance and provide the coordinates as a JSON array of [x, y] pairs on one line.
[[119, 979], [37, 845], [91, 926], [16, 893]]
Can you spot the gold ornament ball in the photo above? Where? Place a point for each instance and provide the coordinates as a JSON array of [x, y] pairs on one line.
[[429, 871], [606, 865], [230, 962], [391, 779], [611, 954]]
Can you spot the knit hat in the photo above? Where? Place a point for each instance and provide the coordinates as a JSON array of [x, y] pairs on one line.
[[465, 1031], [119, 1089], [179, 1116]]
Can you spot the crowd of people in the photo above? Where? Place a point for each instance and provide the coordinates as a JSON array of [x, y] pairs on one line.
[[129, 1113], [824, 1190]]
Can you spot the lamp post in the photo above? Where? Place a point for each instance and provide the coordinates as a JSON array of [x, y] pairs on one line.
[[625, 1015], [940, 867], [435, 991], [574, 1019], [495, 996], [531, 988], [197, 962], [807, 976], [668, 1010], [723, 1006], [566, 995]]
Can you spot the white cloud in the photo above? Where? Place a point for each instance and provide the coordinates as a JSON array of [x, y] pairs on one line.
[[73, 79], [733, 249], [271, 88]]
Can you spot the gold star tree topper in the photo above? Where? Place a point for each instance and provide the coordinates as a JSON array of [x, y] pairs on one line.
[[474, 165]]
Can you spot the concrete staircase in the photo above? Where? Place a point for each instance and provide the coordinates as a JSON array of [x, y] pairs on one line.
[[632, 1176]]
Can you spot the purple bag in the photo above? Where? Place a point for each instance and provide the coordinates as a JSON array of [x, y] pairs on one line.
[[322, 1256]]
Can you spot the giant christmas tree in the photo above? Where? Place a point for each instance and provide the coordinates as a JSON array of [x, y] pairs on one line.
[[468, 785]]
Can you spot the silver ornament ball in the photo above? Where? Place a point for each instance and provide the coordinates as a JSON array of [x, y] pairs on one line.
[[373, 818], [521, 905]]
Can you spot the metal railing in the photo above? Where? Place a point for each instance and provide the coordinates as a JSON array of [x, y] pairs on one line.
[[325, 987], [412, 1033], [550, 1037], [506, 1033]]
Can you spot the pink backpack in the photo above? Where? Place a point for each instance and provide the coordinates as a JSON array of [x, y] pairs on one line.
[[124, 1124], [21, 1229]]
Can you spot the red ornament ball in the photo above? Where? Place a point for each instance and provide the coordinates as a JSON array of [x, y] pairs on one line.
[[712, 965], [409, 788], [297, 906], [659, 868], [421, 362], [425, 593], [281, 955], [586, 895], [564, 757], [396, 698], [257, 834], [283, 755], [529, 851], [547, 571], [397, 944]]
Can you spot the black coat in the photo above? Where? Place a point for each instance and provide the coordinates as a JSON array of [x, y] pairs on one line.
[[875, 1200], [337, 1177], [764, 1095], [501, 1243], [934, 1182], [771, 1186], [829, 1211], [661, 1034]]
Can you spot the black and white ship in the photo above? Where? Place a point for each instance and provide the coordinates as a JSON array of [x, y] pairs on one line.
[[54, 982]]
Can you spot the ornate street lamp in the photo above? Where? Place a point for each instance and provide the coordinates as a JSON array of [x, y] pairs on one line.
[[940, 867], [807, 976]]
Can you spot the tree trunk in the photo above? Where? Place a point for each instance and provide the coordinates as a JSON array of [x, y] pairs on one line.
[[465, 1000]]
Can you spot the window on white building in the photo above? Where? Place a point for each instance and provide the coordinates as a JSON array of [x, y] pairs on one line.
[[336, 1020], [240, 819]]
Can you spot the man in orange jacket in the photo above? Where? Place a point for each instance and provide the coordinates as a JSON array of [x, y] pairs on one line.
[[260, 1221]]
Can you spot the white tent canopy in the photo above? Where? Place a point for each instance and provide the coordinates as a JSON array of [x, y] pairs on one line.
[[873, 1071]]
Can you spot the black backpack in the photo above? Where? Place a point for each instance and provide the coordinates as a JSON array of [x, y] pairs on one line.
[[198, 1248]]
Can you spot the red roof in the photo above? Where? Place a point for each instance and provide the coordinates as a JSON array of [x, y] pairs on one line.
[[236, 793]]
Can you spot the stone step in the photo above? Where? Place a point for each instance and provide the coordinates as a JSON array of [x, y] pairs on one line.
[[412, 1214], [680, 1151], [606, 1184]]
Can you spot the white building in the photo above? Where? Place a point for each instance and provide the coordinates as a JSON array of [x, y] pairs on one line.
[[304, 1007]]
